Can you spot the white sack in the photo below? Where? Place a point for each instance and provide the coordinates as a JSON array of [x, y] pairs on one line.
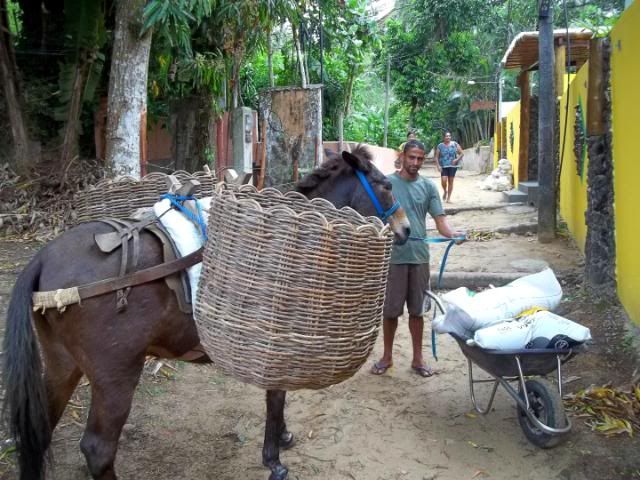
[[468, 311], [539, 330], [185, 234]]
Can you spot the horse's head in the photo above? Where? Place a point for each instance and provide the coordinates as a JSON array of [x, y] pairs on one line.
[[351, 180]]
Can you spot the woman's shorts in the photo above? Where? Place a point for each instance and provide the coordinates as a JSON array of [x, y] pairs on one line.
[[448, 171]]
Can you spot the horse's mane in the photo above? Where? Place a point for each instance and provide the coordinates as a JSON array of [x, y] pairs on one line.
[[334, 165]]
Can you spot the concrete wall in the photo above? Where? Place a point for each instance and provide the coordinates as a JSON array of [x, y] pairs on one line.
[[573, 183], [478, 160], [625, 71], [513, 141]]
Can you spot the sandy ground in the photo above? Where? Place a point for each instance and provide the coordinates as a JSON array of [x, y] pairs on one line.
[[193, 423]]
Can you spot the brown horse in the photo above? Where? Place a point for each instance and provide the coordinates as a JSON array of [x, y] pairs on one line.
[[41, 371]]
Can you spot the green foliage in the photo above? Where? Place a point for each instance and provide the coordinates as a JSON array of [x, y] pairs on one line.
[[14, 14]]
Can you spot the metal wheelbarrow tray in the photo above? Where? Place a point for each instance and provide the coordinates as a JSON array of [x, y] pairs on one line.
[[541, 413]]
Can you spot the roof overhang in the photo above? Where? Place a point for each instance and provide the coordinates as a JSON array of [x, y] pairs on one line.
[[523, 51]]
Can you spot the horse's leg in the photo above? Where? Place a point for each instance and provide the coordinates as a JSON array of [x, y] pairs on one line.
[[111, 397], [274, 430], [286, 439], [61, 373]]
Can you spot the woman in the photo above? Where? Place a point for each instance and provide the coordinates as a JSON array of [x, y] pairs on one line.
[[448, 155]]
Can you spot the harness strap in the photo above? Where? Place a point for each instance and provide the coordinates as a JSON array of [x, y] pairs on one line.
[[141, 276], [384, 215]]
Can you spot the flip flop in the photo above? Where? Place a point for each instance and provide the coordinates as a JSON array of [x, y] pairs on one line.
[[424, 371], [379, 368]]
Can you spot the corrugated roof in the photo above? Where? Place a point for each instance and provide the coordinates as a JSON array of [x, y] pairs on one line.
[[523, 51]]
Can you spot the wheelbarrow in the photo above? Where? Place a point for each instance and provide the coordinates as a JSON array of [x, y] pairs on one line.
[[541, 413]]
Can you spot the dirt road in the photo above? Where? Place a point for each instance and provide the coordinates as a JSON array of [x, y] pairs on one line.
[[190, 422]]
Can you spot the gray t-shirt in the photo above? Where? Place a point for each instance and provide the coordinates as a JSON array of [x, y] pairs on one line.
[[417, 198]]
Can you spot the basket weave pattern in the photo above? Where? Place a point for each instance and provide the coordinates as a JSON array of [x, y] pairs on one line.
[[292, 290], [119, 198]]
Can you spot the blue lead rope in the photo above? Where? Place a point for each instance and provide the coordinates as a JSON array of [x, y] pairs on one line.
[[177, 201], [443, 263]]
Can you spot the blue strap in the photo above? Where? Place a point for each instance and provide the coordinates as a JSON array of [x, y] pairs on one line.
[[384, 215], [452, 241], [178, 200]]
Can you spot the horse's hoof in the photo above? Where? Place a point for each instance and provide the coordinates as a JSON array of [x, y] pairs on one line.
[[279, 472], [287, 440]]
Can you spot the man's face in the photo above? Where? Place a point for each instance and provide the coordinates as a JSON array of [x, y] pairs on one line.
[[447, 137], [413, 160]]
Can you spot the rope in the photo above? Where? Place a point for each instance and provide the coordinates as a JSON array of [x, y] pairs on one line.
[[452, 241], [178, 202]]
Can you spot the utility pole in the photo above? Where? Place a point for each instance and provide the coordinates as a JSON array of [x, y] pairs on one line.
[[386, 102], [546, 123]]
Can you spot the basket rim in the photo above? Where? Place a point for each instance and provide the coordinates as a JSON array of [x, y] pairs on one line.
[[372, 224]]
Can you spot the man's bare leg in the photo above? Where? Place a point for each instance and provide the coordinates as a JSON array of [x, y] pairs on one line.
[[416, 328], [443, 181], [389, 327]]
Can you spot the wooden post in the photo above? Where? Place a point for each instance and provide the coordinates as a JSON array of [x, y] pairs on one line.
[[546, 121], [505, 140], [560, 67], [525, 116], [143, 143], [263, 156], [596, 124], [498, 138]]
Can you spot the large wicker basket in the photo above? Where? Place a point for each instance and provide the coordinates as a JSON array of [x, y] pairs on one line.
[[292, 290], [120, 197]]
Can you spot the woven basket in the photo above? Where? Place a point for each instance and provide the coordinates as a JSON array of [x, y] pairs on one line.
[[292, 290], [120, 197]]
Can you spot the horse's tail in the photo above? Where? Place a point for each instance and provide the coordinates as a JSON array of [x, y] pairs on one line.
[[25, 403]]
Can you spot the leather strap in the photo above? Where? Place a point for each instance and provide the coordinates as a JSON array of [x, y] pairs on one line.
[[150, 274]]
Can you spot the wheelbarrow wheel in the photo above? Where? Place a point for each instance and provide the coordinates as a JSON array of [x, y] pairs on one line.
[[546, 405]]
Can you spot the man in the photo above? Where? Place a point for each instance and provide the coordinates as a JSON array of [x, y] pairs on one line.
[[398, 162], [448, 155], [409, 270]]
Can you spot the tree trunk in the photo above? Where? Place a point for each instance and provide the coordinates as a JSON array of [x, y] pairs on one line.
[[349, 91], [300, 56], [72, 126], [8, 75], [235, 80], [270, 59], [386, 102], [127, 89]]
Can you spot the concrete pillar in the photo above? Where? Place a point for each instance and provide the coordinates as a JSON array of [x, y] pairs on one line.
[[291, 120], [242, 138]]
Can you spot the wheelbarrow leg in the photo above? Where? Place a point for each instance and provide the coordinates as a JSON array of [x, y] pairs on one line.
[[472, 382]]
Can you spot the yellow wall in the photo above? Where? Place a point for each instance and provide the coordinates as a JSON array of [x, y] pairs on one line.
[[625, 71], [573, 185], [513, 148]]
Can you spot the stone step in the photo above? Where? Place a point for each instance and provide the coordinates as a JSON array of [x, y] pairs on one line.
[[531, 189], [528, 187], [516, 196]]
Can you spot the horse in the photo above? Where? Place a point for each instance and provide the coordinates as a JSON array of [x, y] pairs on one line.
[[43, 366]]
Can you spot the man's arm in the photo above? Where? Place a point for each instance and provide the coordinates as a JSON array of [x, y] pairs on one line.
[[460, 153], [445, 229], [436, 157]]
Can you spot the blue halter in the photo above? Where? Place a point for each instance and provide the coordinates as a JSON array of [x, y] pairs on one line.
[[382, 213]]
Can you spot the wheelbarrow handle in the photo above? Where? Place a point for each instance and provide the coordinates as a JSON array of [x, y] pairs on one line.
[[437, 300]]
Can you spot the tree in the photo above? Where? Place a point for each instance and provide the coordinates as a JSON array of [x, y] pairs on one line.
[[127, 107], [23, 153]]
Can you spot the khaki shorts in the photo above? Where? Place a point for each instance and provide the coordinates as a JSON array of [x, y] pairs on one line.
[[407, 283]]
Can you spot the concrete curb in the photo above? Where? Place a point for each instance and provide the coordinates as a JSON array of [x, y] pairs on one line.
[[453, 280], [454, 210]]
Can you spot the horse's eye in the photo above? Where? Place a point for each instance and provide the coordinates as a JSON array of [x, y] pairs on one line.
[[387, 186]]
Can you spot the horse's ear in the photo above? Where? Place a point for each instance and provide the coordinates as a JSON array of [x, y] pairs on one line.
[[311, 181], [356, 162]]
